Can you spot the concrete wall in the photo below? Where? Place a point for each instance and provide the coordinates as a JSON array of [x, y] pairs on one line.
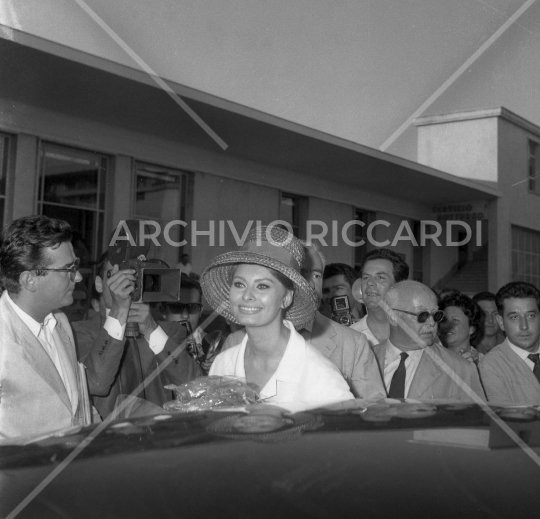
[[466, 149]]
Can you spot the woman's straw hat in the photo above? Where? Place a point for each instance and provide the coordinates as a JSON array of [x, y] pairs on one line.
[[271, 247]]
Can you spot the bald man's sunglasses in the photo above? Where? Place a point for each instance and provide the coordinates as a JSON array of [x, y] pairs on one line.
[[178, 308], [422, 317]]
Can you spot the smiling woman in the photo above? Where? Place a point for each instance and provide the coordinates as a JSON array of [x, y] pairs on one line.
[[460, 326], [261, 288]]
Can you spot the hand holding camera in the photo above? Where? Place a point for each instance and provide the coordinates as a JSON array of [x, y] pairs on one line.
[[121, 284]]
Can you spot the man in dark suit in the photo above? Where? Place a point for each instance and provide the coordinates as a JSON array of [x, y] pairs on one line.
[[117, 366], [346, 348], [511, 371], [412, 364]]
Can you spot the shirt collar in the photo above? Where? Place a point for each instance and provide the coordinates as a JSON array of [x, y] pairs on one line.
[[392, 353], [520, 351], [35, 327]]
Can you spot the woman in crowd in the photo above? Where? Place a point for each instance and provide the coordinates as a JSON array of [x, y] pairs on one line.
[[460, 326], [261, 288]]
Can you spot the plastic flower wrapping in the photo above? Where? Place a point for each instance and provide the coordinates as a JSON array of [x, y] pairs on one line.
[[205, 393]]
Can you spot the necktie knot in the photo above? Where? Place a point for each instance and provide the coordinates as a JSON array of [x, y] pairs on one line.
[[534, 357]]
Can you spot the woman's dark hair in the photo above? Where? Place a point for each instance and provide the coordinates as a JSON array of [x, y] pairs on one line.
[[23, 244], [282, 278], [469, 308]]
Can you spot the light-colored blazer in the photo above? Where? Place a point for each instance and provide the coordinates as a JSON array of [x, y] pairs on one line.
[[33, 397], [347, 349], [303, 374], [430, 381], [507, 379]]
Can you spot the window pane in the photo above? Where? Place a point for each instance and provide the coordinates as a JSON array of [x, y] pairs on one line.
[[72, 187], [70, 176], [159, 198], [525, 255]]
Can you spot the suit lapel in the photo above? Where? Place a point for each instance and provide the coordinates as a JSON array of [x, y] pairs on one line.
[[526, 375], [66, 354], [34, 353], [320, 333], [426, 374]]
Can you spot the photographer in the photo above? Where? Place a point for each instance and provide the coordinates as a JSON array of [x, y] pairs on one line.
[[117, 365], [338, 279]]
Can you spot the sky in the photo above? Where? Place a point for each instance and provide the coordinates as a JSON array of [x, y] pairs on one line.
[[357, 69]]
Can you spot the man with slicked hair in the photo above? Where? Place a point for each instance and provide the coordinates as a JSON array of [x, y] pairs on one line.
[[511, 371], [410, 359], [380, 270]]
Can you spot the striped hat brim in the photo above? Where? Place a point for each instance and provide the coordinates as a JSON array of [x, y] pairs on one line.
[[216, 282]]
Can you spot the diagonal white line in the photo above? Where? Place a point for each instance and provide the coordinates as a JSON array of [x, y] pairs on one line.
[[144, 66], [485, 46], [63, 465]]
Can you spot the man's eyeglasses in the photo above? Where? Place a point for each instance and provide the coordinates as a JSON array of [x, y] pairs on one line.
[[422, 317], [72, 270], [178, 308]]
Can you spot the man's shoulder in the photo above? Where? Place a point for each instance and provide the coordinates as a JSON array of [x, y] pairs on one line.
[[316, 360], [342, 333], [452, 359], [86, 330], [360, 325], [502, 353]]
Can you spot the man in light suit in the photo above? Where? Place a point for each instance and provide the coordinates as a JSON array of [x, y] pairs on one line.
[[41, 387], [410, 360], [511, 371], [347, 349]]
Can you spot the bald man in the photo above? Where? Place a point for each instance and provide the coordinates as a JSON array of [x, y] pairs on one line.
[[410, 359]]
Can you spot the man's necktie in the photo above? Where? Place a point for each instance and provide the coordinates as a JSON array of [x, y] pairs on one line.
[[535, 358], [397, 386]]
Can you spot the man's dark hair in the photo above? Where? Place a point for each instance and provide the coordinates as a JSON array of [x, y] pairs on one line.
[[483, 296], [338, 269], [400, 268], [22, 247], [469, 308], [189, 282], [516, 289]]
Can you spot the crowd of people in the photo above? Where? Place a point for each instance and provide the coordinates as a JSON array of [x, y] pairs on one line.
[[299, 332]]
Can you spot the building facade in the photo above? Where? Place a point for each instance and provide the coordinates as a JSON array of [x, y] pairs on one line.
[[96, 143]]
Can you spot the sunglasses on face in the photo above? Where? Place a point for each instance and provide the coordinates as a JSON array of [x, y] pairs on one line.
[[422, 317], [178, 308], [72, 270]]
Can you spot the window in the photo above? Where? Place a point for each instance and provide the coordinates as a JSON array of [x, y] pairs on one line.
[[525, 255], [360, 233], [4, 157], [534, 167], [160, 197], [293, 210], [72, 187]]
